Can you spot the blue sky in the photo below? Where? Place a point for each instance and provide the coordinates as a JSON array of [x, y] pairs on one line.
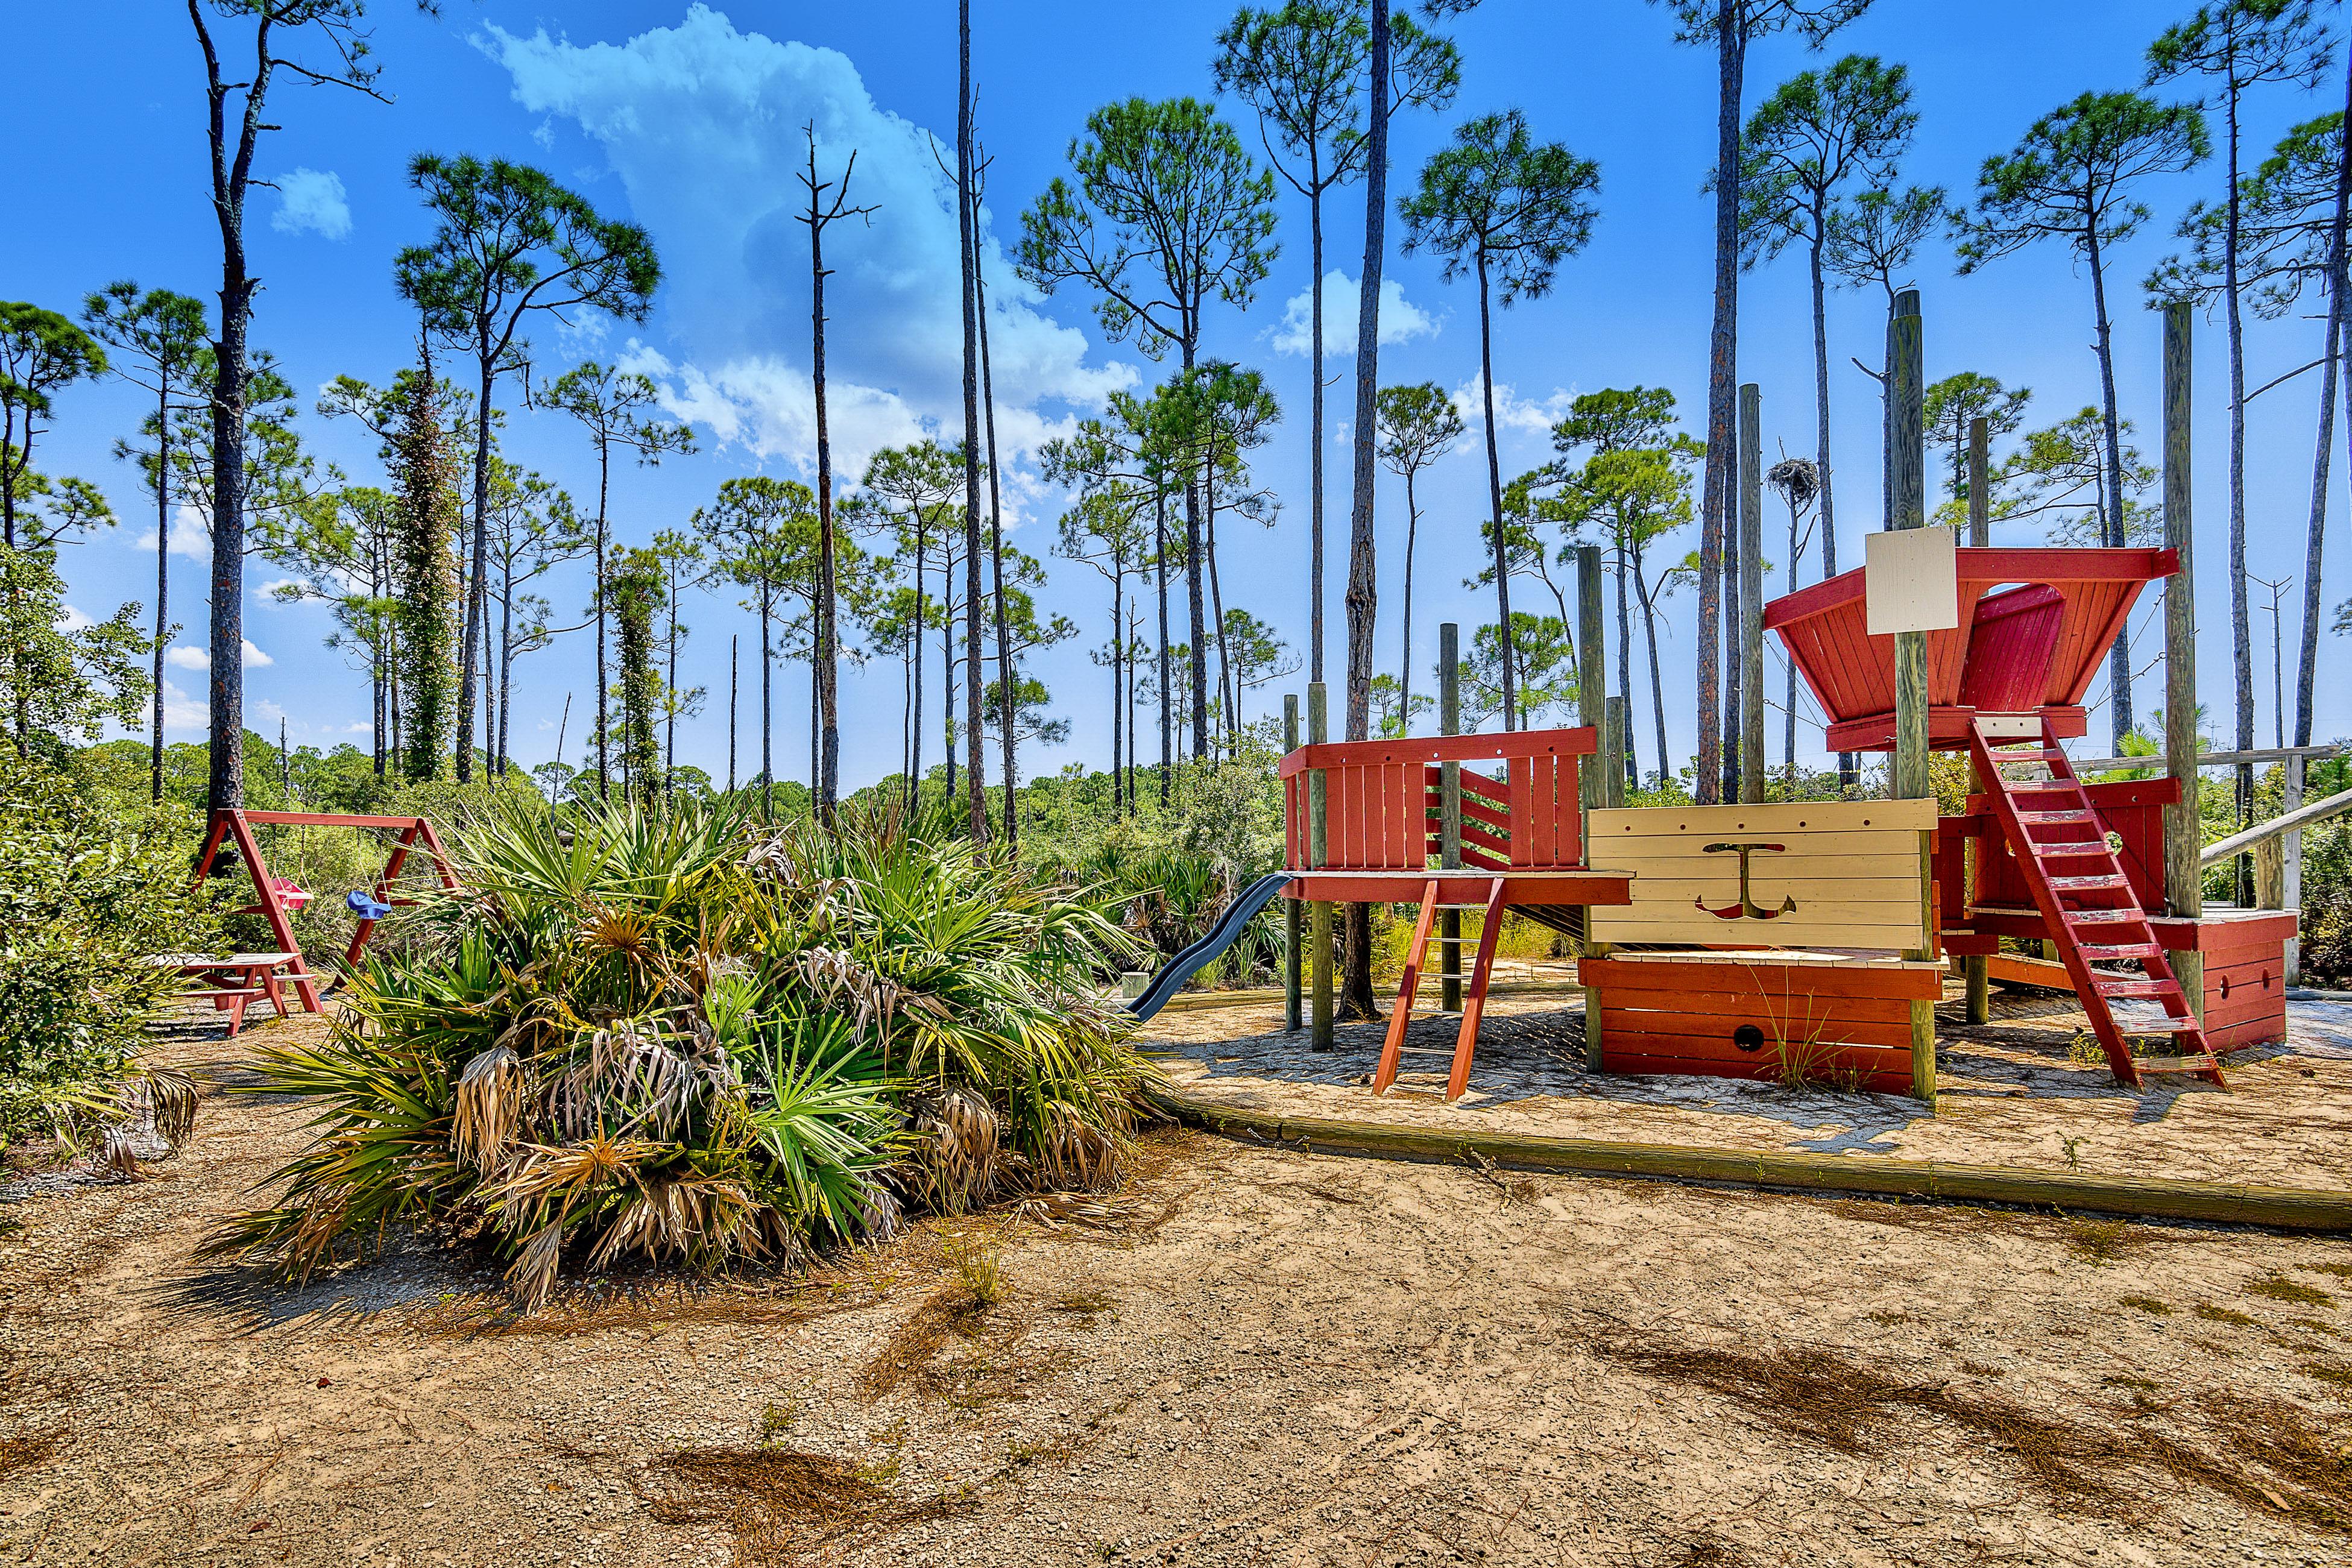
[[687, 119]]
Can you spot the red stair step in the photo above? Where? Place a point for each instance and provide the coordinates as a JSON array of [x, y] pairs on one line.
[[2119, 987], [2107, 955], [2097, 881]]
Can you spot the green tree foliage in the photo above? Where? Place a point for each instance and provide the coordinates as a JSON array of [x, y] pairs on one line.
[[345, 552], [63, 682], [2059, 476], [41, 352], [613, 408], [1418, 426], [761, 533], [918, 486], [1951, 405], [158, 339], [1546, 667], [427, 515], [2074, 177], [1506, 211], [636, 594], [509, 243], [1303, 67], [1818, 134], [87, 897], [1168, 211]]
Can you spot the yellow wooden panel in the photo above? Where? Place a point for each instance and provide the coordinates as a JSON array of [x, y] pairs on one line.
[[1801, 816], [1854, 885]]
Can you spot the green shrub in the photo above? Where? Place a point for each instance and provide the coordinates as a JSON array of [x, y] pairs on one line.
[[85, 897], [670, 1035]]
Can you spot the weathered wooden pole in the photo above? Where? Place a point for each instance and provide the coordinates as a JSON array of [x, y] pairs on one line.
[[1591, 667], [1449, 817], [1318, 850], [1612, 745], [1907, 467], [2184, 881], [2290, 870], [1751, 592], [1293, 917], [1977, 968]]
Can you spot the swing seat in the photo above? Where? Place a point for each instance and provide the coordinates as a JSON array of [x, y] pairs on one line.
[[365, 907], [291, 893]]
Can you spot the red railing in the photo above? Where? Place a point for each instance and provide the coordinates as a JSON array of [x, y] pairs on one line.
[[1382, 799]]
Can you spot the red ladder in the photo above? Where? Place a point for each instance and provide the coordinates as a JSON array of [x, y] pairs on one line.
[[2087, 904], [1474, 1000]]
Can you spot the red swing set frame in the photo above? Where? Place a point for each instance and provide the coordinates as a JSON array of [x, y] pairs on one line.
[[237, 826]]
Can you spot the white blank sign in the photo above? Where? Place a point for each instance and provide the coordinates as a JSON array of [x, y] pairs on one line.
[[1911, 580]]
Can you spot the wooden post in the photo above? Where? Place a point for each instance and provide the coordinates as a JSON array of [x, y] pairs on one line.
[[1613, 744], [1591, 667], [1750, 644], [1449, 822], [1294, 920], [1318, 850], [2291, 877], [1908, 465], [2184, 881], [1976, 967]]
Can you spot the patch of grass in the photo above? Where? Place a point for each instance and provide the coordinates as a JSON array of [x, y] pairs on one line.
[[1888, 1315], [2279, 1288], [780, 1502], [2341, 1271], [2100, 1242], [28, 1449], [1085, 1304], [2316, 1326], [2213, 1314], [2147, 1305], [2264, 1454], [2341, 1377], [978, 1262], [776, 1420]]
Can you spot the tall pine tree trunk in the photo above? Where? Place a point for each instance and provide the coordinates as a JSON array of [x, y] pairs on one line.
[[603, 545], [1167, 716], [1722, 373], [2307, 667], [471, 661], [2241, 640], [1004, 677], [976, 805], [825, 772], [164, 594], [2119, 661], [1315, 398], [1504, 640]]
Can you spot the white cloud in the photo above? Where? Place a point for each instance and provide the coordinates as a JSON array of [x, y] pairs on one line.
[[701, 125], [181, 656], [1401, 321], [189, 537], [268, 593], [182, 714], [312, 200], [71, 618], [1513, 412]]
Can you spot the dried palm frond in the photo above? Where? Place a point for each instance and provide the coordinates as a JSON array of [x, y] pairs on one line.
[[697, 1218], [487, 1116], [960, 1150], [113, 1155], [1075, 1152], [170, 1097]]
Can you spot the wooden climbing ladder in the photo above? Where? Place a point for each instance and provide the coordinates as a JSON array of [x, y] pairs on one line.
[[2087, 902], [1474, 999]]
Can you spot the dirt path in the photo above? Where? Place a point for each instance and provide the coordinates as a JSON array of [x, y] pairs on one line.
[[1272, 1358]]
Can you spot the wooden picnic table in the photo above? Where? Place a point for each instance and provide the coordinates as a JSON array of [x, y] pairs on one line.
[[247, 977]]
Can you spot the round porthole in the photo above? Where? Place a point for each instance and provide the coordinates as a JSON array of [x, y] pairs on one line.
[[1748, 1037]]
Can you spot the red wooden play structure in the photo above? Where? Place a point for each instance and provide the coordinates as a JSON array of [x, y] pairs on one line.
[[273, 896], [1382, 824], [1808, 941], [2079, 866]]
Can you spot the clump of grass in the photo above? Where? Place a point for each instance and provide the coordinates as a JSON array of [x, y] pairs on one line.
[[2230, 1315], [779, 1501], [28, 1449], [2147, 1305], [776, 1420], [2099, 1242], [2264, 1454], [2341, 1377], [2279, 1288], [2341, 1271], [2314, 1326], [978, 1262]]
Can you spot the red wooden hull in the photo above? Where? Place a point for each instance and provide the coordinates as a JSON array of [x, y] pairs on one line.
[[1845, 1026]]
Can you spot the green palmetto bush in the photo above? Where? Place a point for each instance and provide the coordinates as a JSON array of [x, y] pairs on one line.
[[669, 1035]]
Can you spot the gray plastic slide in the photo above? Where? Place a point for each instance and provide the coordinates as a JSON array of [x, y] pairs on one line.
[[1181, 968]]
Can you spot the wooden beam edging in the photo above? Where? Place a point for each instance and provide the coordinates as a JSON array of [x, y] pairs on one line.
[[2289, 1208]]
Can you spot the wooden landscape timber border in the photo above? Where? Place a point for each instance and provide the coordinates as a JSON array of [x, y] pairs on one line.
[[2227, 1203]]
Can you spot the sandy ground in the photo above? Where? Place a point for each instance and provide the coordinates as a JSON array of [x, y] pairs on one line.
[[1263, 1357], [2011, 1093]]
